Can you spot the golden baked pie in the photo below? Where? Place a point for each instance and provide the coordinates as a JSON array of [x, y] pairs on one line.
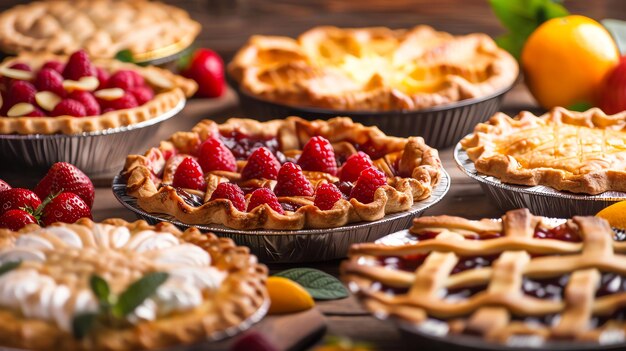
[[282, 174], [211, 285], [50, 94], [148, 29], [375, 69], [580, 152], [521, 278]]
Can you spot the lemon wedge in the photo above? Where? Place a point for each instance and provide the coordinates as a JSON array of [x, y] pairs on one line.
[[287, 296], [615, 215]]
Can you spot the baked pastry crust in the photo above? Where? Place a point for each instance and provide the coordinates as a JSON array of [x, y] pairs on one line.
[[241, 294], [170, 91], [101, 27], [580, 152], [499, 304], [375, 69], [412, 170]]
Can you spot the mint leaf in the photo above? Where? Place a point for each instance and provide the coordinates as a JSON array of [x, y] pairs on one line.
[[321, 285], [137, 293], [100, 289], [9, 266], [580, 106], [82, 324], [617, 29], [125, 56]]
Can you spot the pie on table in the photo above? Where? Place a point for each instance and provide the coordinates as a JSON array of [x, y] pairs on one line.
[[212, 285], [519, 277], [282, 174], [375, 69], [580, 152], [148, 29]]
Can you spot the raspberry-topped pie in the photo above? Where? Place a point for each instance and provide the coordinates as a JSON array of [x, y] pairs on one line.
[[282, 174], [522, 278], [374, 69], [580, 152], [48, 94]]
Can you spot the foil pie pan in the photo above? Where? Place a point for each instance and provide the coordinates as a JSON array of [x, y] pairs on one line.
[[93, 152], [433, 334], [541, 200], [307, 245]]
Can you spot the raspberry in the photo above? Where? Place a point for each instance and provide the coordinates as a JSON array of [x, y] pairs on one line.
[[318, 155], [142, 94], [37, 112], [264, 196], [78, 66], [291, 182], [21, 66], [54, 65], [365, 187], [88, 100], [232, 192], [50, 80], [125, 79], [126, 101], [262, 164], [189, 175], [103, 77], [354, 165], [214, 156], [69, 107], [326, 196], [21, 91]]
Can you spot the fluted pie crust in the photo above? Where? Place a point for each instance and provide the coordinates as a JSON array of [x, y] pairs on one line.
[[579, 152], [170, 91], [498, 305], [418, 171], [241, 294], [374, 69], [148, 29]]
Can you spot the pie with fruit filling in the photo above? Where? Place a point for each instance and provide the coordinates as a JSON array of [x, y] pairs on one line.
[[49, 94], [212, 285], [499, 279], [282, 174], [580, 152], [148, 29], [375, 69]]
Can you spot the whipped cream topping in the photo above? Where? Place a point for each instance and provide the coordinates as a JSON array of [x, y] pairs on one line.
[[37, 295]]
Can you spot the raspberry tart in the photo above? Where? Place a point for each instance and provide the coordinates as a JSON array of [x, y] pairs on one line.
[[283, 174], [54, 275], [48, 94], [525, 280]]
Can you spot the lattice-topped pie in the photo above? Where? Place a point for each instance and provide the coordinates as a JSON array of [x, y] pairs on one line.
[[212, 285], [148, 29], [580, 152], [282, 174], [372, 68], [523, 276]]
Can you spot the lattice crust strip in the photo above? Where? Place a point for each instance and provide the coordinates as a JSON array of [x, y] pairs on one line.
[[498, 308]]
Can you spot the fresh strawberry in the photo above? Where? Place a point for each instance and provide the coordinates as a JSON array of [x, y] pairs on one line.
[[291, 182], [54, 65], [63, 176], [16, 219], [126, 101], [142, 94], [103, 77], [50, 80], [4, 185], [215, 156], [253, 341], [92, 108], [318, 155], [207, 69], [78, 66], [365, 187], [125, 79], [189, 175], [326, 196], [354, 165], [264, 196], [65, 207], [232, 192], [69, 107], [17, 198], [262, 164], [20, 91]]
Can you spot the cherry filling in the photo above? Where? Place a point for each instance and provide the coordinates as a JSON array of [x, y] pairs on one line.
[[345, 188], [562, 232], [427, 235], [242, 145], [371, 150], [290, 206]]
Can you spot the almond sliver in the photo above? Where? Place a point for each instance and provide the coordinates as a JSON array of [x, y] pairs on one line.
[[47, 100], [16, 74], [84, 84], [20, 109], [109, 94], [157, 80]]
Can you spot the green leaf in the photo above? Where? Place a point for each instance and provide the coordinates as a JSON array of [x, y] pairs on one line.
[[100, 289], [125, 56], [9, 266], [82, 324], [617, 29], [137, 293], [321, 285], [580, 106]]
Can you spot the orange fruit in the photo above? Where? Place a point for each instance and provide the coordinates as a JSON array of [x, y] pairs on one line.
[[287, 296], [615, 215], [565, 60]]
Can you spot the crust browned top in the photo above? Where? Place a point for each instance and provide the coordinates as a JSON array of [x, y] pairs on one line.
[[412, 170], [170, 90], [580, 152], [375, 69]]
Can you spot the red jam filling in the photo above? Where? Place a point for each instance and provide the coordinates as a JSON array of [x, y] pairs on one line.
[[562, 232], [290, 206], [371, 150], [242, 145]]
